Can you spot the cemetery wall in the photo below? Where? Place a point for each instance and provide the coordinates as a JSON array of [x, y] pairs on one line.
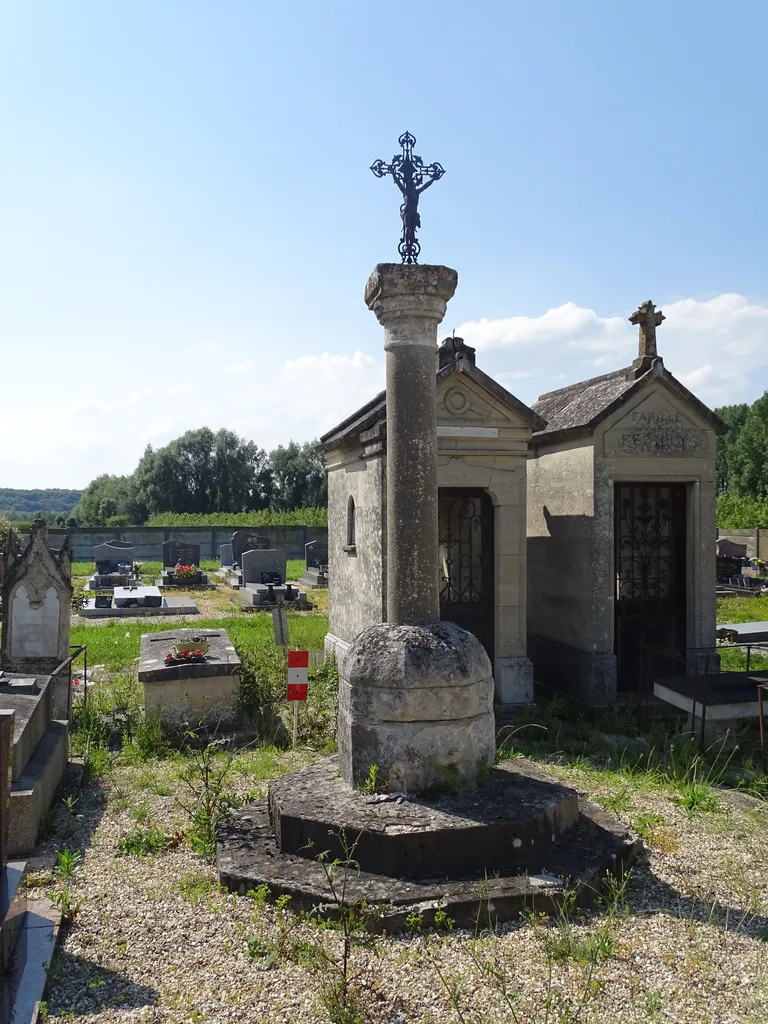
[[148, 540]]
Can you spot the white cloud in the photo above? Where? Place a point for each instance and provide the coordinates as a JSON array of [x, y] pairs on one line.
[[717, 347], [244, 366]]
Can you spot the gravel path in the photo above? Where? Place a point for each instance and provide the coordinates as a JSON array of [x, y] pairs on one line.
[[155, 940]]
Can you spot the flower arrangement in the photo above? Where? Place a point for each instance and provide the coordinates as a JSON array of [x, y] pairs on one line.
[[186, 572], [184, 657]]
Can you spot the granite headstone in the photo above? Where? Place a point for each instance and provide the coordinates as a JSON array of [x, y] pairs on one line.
[[264, 566], [174, 552], [243, 541], [316, 554], [226, 555], [112, 554]]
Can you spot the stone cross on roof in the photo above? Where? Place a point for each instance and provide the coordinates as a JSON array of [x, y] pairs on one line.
[[648, 318]]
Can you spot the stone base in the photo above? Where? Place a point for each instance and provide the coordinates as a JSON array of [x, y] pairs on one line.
[[258, 595], [515, 844], [513, 679], [193, 702], [170, 606], [334, 645], [168, 579], [587, 675], [417, 703], [314, 579]]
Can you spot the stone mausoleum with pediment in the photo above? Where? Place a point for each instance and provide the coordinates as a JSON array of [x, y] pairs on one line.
[[574, 536], [483, 436], [621, 529]]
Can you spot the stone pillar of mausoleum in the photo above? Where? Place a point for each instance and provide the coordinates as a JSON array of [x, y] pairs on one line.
[[416, 694]]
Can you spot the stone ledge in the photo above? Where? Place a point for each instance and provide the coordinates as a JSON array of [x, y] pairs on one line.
[[507, 823], [599, 845]]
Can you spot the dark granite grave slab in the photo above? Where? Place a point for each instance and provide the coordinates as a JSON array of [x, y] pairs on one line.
[[137, 597], [169, 606], [174, 552]]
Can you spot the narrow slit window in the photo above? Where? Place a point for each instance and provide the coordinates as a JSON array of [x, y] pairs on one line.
[[351, 522]]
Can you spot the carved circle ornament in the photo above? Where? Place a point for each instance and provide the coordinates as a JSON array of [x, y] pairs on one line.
[[456, 401]]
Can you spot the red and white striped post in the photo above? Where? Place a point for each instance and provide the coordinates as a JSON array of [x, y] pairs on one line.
[[298, 680]]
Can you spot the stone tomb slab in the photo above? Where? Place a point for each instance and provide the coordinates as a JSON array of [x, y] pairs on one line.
[[192, 694], [170, 606], [594, 846]]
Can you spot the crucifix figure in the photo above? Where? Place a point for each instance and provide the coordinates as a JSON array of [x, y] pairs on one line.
[[412, 177], [648, 318]]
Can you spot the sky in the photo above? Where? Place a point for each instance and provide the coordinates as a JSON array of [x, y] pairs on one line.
[[188, 218]]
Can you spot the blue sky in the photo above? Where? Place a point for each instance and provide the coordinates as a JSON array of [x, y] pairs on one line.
[[188, 218]]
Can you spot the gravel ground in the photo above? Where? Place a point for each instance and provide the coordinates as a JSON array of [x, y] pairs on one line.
[[155, 940]]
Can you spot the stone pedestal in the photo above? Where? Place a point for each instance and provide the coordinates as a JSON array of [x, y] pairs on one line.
[[416, 702]]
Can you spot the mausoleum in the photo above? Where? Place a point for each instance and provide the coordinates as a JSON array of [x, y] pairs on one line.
[[483, 433], [621, 527]]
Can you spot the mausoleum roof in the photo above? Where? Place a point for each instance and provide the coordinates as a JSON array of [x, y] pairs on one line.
[[581, 407], [374, 413]]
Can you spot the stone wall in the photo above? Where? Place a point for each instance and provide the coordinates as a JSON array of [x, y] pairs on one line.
[[148, 540], [356, 591]]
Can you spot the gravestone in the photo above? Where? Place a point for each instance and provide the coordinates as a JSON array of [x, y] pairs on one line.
[[316, 554], [37, 594], [226, 555], [175, 553], [243, 541], [264, 566], [111, 555]]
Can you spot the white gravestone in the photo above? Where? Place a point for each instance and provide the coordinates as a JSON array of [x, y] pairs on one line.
[[34, 624]]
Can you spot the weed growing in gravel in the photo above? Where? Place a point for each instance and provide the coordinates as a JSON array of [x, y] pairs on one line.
[[196, 885], [617, 803], [143, 842], [141, 812], [203, 775], [285, 946], [697, 797], [143, 740], [67, 863], [66, 905]]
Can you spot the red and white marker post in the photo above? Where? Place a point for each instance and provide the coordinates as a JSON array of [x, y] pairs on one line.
[[298, 681]]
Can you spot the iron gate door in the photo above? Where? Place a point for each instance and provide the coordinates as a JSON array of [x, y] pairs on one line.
[[466, 562], [650, 581]]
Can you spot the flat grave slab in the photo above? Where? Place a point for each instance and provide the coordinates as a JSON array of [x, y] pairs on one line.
[[190, 693], [169, 606], [724, 695], [747, 632]]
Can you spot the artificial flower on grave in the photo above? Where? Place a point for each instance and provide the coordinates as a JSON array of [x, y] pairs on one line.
[[185, 572], [184, 656]]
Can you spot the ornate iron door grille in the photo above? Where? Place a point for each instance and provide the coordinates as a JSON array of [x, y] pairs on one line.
[[650, 574], [465, 523]]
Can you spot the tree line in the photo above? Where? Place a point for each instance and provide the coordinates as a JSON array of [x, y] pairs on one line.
[[741, 469], [205, 472]]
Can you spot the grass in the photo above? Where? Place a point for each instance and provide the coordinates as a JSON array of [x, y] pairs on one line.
[[742, 609], [116, 643]]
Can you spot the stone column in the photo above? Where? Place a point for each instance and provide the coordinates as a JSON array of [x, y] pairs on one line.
[[415, 694], [410, 302]]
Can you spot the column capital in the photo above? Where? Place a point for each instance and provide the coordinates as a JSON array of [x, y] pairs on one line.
[[411, 293]]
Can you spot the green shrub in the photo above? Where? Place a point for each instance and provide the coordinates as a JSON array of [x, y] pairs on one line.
[[144, 841], [299, 517]]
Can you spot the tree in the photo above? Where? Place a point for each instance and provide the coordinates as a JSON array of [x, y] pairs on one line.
[[735, 416], [203, 472], [299, 476], [104, 497], [748, 454]]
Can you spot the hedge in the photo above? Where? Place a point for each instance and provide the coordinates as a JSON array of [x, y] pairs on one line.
[[299, 517]]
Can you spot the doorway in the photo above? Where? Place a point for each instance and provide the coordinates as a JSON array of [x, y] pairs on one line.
[[465, 519], [650, 559]]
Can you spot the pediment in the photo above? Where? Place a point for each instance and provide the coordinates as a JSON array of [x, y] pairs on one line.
[[463, 401], [659, 424]]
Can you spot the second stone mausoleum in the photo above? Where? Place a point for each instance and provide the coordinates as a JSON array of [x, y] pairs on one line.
[[621, 528], [483, 434]]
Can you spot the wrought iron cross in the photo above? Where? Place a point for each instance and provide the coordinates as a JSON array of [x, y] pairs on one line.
[[412, 177]]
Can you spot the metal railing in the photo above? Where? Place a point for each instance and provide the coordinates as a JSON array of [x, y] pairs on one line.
[[66, 665]]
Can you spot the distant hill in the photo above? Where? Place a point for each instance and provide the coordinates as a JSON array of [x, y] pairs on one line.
[[25, 503]]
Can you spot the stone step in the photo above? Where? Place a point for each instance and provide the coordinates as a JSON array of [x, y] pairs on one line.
[[31, 718], [33, 791]]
